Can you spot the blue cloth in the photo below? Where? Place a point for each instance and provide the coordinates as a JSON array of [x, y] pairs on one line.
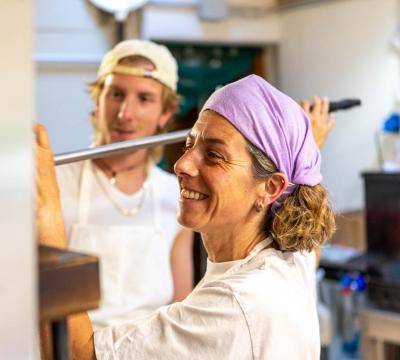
[[392, 123]]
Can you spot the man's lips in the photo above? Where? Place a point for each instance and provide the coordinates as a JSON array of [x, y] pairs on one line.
[[123, 133]]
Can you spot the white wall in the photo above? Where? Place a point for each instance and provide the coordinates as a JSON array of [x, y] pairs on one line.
[[342, 49], [72, 36], [70, 39], [18, 248], [183, 24]]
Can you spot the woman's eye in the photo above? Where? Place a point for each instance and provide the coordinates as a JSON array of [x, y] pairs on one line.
[[186, 148], [212, 155]]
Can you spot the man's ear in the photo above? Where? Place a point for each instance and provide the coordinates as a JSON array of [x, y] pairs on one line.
[[164, 118], [273, 187]]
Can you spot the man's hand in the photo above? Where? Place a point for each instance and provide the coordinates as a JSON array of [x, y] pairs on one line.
[[49, 219], [321, 120]]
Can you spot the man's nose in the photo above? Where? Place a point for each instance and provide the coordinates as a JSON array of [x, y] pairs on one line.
[[127, 110]]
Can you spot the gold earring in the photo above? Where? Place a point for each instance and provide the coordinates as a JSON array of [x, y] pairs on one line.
[[259, 208]]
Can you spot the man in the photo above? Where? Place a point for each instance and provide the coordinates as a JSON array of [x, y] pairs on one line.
[[123, 208]]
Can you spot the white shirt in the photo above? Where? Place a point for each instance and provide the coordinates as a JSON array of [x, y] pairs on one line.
[[135, 252], [261, 307], [101, 211]]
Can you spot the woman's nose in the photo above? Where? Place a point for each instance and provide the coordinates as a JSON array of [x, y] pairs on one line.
[[187, 164]]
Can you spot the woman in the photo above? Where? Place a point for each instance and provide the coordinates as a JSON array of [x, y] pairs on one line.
[[249, 182]]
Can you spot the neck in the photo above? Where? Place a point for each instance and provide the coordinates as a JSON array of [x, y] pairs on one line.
[[130, 171], [232, 244]]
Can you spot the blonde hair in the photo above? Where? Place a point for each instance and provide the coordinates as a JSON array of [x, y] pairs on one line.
[[305, 219], [170, 100]]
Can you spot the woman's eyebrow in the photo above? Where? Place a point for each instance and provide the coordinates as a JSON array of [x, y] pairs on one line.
[[208, 140], [211, 140], [190, 137]]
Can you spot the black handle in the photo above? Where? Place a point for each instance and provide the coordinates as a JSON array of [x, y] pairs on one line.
[[342, 104]]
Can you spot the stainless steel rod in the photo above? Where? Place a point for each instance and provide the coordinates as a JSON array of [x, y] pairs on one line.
[[122, 147]]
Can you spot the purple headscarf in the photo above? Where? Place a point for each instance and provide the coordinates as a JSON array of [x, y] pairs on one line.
[[275, 124]]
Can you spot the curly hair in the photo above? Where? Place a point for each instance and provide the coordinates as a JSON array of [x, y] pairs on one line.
[[305, 219]]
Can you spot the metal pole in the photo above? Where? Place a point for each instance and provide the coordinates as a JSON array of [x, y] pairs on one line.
[[122, 147]]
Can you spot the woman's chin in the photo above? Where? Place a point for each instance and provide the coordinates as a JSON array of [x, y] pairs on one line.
[[188, 222]]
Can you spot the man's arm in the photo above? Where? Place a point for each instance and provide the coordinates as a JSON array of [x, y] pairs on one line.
[[182, 264], [49, 220], [51, 232]]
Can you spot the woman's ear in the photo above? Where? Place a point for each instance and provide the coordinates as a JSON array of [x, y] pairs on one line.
[[273, 187]]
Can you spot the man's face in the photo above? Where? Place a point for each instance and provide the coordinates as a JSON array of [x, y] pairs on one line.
[[129, 107]]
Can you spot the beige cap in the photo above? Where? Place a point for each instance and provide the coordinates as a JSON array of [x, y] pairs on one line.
[[166, 68]]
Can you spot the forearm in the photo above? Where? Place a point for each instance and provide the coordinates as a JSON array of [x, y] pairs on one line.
[[182, 264], [51, 228], [80, 338], [49, 217]]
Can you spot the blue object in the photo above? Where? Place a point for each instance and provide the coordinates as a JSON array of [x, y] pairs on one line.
[[392, 123], [351, 346], [353, 282], [345, 281], [353, 286], [360, 280]]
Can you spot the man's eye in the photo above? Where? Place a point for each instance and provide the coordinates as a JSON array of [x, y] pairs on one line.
[[115, 94], [145, 98]]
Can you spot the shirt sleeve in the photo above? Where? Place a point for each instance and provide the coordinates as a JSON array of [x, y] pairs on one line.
[[307, 263], [209, 324]]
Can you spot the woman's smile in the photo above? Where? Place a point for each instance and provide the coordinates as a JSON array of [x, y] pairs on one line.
[[193, 195], [214, 167]]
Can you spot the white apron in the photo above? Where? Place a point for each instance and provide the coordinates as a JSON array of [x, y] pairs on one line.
[[135, 271]]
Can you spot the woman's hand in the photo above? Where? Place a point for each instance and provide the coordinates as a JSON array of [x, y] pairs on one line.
[[49, 219], [321, 120]]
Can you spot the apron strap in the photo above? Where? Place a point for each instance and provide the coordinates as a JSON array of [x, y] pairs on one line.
[[84, 192], [154, 193]]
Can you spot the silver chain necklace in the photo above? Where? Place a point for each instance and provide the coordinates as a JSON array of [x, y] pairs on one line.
[[123, 211]]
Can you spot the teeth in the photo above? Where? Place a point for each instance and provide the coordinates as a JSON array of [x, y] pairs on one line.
[[192, 195]]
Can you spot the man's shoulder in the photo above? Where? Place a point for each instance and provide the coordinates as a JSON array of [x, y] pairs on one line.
[[67, 172], [164, 173], [164, 177], [167, 188]]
